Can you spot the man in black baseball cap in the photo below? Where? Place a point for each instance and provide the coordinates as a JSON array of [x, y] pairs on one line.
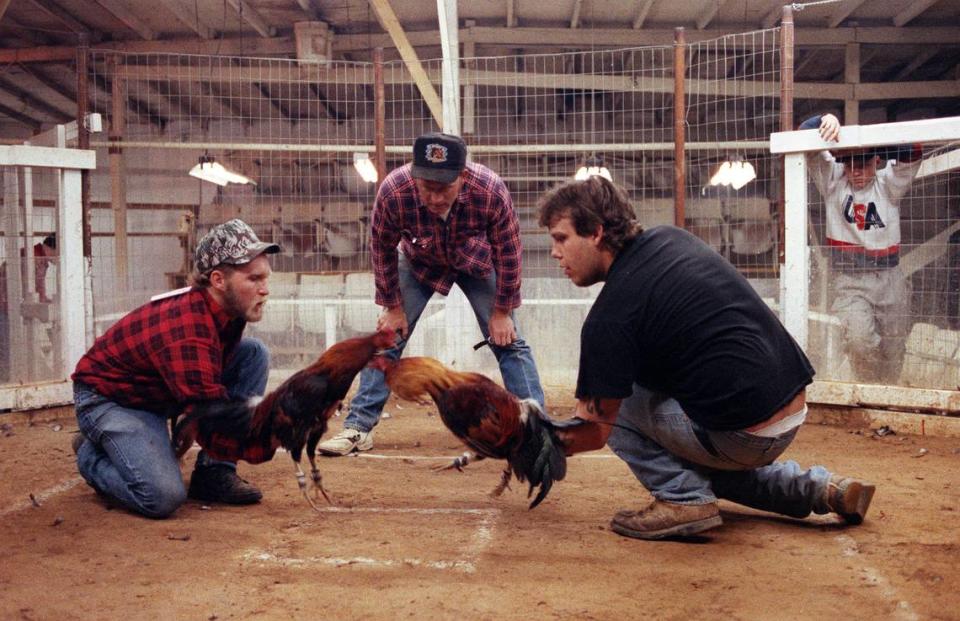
[[454, 222]]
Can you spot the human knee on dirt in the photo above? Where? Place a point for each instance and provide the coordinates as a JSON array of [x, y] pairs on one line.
[[454, 223], [178, 349], [685, 372], [862, 205]]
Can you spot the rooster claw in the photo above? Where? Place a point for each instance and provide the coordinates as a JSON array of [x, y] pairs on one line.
[[454, 464], [312, 503], [457, 463], [326, 497]]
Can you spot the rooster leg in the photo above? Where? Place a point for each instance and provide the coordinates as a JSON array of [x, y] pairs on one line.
[[302, 482], [317, 479], [312, 440], [459, 462], [504, 483]]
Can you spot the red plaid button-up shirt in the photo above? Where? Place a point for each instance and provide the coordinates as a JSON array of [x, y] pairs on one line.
[[481, 233], [165, 355]]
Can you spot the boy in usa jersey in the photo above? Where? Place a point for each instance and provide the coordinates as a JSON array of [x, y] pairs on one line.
[[862, 203]]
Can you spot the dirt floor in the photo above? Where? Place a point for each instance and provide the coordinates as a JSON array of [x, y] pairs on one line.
[[403, 541]]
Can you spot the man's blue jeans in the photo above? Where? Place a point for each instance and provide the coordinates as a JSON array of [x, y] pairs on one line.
[[679, 461], [516, 360], [127, 454]]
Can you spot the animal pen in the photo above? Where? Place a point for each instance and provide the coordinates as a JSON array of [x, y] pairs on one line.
[[401, 540], [661, 119]]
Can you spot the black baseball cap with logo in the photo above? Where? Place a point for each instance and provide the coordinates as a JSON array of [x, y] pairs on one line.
[[439, 157]]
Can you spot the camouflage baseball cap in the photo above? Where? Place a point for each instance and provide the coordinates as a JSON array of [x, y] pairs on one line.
[[231, 243]]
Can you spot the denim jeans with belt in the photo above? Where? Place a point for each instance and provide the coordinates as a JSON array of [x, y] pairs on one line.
[[127, 454], [681, 462], [515, 360]]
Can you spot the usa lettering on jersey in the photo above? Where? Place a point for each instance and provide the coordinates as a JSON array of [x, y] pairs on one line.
[[864, 217]]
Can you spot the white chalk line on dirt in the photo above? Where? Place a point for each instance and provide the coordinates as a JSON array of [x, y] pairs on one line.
[[43, 496], [273, 559], [481, 539], [903, 610], [450, 457]]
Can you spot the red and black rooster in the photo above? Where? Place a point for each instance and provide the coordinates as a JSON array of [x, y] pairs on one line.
[[292, 416], [488, 419]]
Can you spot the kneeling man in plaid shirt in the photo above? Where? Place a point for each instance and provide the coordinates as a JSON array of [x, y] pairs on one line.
[[179, 349]]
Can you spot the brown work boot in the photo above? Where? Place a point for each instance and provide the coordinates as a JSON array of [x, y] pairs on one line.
[[849, 498], [666, 519]]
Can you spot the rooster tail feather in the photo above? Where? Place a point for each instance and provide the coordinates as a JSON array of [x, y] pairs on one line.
[[541, 459]]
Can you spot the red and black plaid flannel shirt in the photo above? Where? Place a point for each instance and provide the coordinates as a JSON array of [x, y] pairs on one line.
[[165, 355], [481, 233]]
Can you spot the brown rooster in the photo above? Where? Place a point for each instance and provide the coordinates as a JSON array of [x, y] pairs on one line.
[[488, 419], [292, 416]]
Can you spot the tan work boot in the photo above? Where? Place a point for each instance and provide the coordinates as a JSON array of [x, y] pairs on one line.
[[849, 498], [666, 519], [346, 442]]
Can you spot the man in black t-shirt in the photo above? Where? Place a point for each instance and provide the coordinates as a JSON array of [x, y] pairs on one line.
[[685, 372]]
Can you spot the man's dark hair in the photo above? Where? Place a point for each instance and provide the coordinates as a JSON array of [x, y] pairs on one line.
[[50, 241], [589, 204]]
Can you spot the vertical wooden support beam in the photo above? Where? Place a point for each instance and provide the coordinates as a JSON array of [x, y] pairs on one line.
[[19, 346], [469, 90], [380, 111], [851, 75], [795, 275], [679, 128], [70, 178], [450, 80], [786, 114], [83, 136], [118, 178], [76, 327]]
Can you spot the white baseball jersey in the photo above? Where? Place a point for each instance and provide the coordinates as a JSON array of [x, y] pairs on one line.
[[865, 221]]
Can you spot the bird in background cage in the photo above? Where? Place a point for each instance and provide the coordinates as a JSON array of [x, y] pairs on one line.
[[339, 241]]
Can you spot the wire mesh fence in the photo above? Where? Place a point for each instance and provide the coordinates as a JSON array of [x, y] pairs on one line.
[[29, 269], [296, 128]]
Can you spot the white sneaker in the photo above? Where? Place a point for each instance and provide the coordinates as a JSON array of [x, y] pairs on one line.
[[346, 442]]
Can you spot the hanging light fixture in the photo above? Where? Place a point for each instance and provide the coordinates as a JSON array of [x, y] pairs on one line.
[[365, 167], [734, 172], [208, 169], [592, 166]]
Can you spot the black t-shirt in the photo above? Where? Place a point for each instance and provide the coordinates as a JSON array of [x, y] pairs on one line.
[[677, 318]]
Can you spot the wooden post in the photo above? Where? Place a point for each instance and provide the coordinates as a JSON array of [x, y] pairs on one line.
[[786, 115], [380, 111], [83, 136], [118, 183], [851, 75], [679, 129]]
